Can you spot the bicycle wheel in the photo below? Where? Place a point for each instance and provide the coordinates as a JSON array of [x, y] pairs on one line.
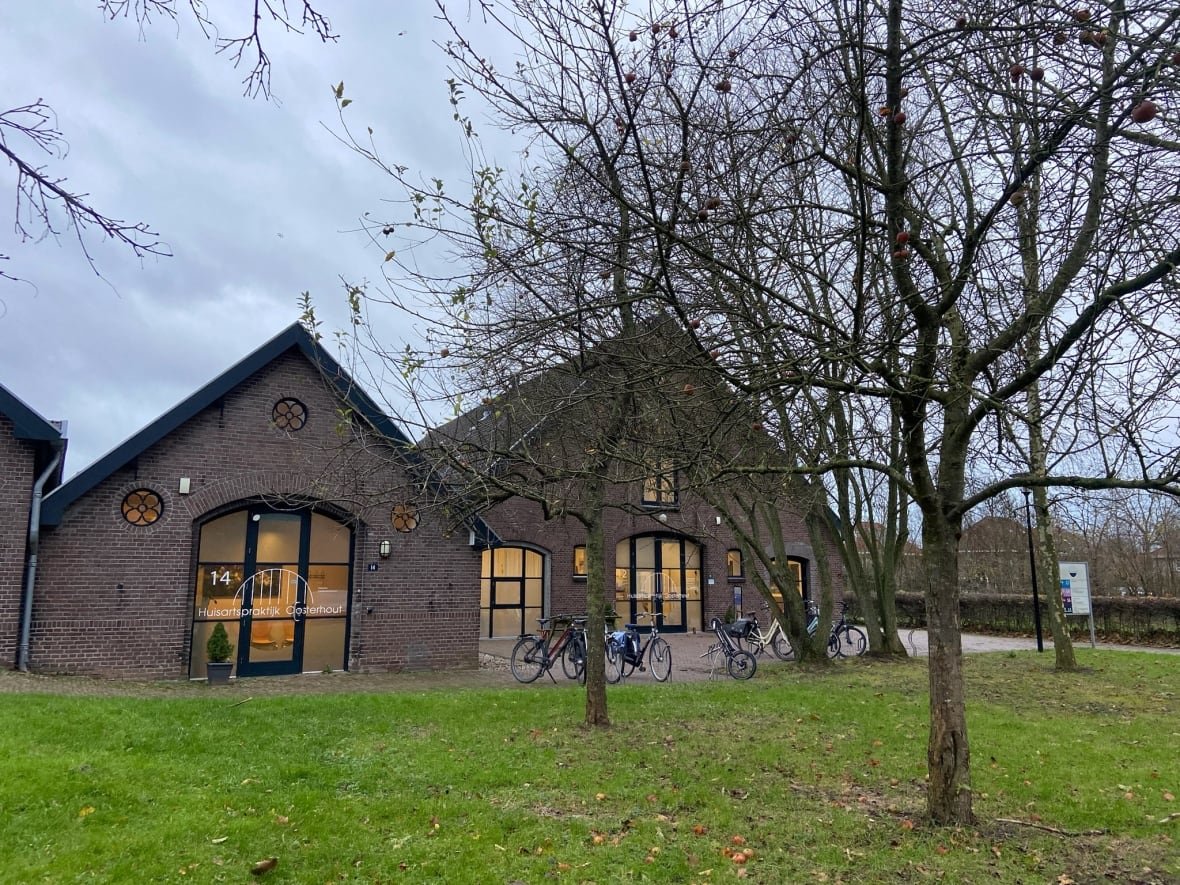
[[614, 662], [573, 657], [834, 650], [853, 642], [659, 659], [781, 647], [741, 665], [528, 658]]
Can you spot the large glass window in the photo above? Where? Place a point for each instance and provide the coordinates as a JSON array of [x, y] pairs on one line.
[[511, 591]]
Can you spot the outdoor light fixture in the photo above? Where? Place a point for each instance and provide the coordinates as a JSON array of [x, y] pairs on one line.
[[385, 549]]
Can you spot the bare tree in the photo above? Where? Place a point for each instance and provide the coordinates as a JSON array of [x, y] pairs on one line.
[[46, 205], [835, 194]]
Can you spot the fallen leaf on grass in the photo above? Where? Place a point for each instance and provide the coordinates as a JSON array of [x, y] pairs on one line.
[[86, 811], [264, 866], [219, 840]]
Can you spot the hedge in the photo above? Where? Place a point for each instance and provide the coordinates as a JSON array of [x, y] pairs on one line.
[[1145, 620]]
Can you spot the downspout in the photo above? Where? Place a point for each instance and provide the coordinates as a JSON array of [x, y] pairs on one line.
[[26, 611]]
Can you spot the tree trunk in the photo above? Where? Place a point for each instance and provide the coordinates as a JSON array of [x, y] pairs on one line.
[[596, 712], [891, 644], [1047, 565], [1046, 557], [948, 798]]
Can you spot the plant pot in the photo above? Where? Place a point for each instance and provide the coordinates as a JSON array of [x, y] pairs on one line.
[[218, 672]]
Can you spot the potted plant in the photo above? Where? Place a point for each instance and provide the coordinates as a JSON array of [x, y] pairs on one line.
[[218, 649]]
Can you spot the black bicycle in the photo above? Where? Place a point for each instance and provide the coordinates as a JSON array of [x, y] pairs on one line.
[[739, 663], [846, 640], [625, 650], [560, 638]]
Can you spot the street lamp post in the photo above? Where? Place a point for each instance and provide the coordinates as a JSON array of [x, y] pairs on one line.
[[1032, 564]]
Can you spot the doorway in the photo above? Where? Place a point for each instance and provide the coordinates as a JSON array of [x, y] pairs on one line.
[[280, 583], [659, 573]]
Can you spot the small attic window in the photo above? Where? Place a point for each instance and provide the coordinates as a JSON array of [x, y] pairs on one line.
[[289, 414], [142, 507]]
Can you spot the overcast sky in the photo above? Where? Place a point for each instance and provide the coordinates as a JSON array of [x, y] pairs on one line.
[[255, 199]]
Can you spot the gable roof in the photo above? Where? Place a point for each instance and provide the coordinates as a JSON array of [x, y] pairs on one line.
[[294, 338], [28, 424]]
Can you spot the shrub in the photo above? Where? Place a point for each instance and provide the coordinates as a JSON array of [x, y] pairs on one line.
[[219, 648]]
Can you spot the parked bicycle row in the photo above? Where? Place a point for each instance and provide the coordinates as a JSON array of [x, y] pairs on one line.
[[562, 639]]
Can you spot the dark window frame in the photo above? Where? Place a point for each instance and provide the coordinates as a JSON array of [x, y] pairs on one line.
[[139, 510], [661, 487], [741, 563], [289, 414]]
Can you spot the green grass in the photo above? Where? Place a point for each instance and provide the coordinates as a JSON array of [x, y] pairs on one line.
[[821, 773]]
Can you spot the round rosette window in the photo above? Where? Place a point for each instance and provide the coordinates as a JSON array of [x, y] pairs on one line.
[[142, 507], [404, 517], [289, 414]]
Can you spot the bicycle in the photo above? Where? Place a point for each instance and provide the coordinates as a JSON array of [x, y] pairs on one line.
[[739, 663], [625, 652], [846, 640], [535, 654], [746, 630]]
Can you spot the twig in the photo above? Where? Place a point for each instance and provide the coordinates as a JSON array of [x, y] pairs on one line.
[[1048, 829], [239, 703]]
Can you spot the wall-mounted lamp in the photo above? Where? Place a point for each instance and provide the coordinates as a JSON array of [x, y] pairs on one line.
[[718, 518], [385, 549], [662, 517]]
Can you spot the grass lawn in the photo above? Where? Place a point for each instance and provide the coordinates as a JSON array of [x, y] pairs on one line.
[[819, 774]]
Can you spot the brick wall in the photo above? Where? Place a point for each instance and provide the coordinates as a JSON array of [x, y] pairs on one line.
[[519, 522], [115, 599], [16, 490]]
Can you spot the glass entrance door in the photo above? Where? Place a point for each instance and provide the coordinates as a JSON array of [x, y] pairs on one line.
[[659, 573], [273, 597]]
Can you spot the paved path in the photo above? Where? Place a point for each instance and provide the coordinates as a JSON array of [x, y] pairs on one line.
[[688, 665], [688, 648]]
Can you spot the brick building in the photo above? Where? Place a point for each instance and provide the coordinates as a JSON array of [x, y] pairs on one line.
[[31, 454], [667, 549], [281, 501], [277, 499]]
